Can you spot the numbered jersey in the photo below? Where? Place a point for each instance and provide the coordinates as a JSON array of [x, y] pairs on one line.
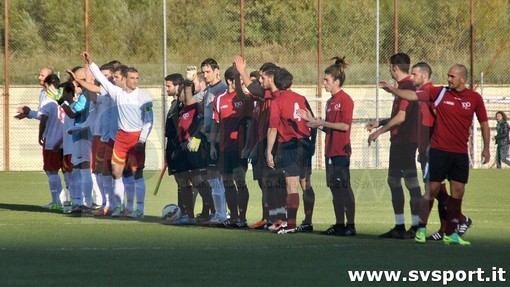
[[284, 116], [54, 129]]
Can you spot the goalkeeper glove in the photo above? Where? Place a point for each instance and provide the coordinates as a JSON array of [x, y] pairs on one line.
[[194, 144], [191, 73]]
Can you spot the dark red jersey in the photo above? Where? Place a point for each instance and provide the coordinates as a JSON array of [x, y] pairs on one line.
[[189, 118], [454, 116], [406, 132], [231, 113], [284, 116], [339, 109]]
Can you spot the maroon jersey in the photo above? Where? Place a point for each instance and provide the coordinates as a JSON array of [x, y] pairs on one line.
[[188, 121], [284, 116], [406, 132], [263, 116], [339, 109], [454, 116], [426, 120], [231, 113]]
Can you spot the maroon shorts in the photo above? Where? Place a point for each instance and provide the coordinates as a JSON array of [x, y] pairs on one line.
[[53, 160]]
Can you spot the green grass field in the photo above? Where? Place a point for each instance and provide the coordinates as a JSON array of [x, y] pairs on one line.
[[41, 248]]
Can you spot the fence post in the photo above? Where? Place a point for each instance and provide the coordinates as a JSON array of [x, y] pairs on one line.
[[6, 87]]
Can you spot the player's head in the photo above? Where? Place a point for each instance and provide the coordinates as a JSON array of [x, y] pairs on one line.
[[501, 116], [79, 73], [229, 76], [68, 91], [174, 84], [51, 80], [211, 71], [132, 78], [189, 91], [399, 62], [283, 79], [254, 75], [43, 73], [267, 76], [420, 74], [199, 82], [120, 75], [108, 70], [114, 63], [457, 76], [334, 75], [264, 67]]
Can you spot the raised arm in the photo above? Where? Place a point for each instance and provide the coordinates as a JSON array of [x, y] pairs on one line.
[[404, 94]]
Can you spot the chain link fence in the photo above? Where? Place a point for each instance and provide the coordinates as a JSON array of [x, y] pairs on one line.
[[53, 33]]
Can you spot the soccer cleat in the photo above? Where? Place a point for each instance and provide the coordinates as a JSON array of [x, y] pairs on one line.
[[203, 218], [277, 225], [421, 235], [137, 214], [333, 230], [102, 212], [185, 220], [436, 236], [463, 227], [395, 233], [55, 207], [117, 211], [259, 225], [283, 225], [347, 231], [286, 230], [96, 206], [215, 220], [454, 239], [305, 227], [411, 233], [126, 213], [47, 206]]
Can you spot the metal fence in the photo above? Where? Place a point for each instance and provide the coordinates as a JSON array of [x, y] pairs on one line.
[[165, 36]]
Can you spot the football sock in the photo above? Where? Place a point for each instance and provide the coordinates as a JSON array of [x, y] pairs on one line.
[[76, 194], [129, 189], [86, 185], [400, 219], [140, 189], [339, 208], [118, 190], [397, 194], [219, 195], [292, 207], [349, 204], [99, 196], [242, 198], [308, 203], [187, 201], [452, 213], [204, 189], [108, 190], [55, 187]]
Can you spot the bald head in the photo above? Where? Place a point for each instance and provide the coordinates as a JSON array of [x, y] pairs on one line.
[[457, 76], [43, 73], [461, 70]]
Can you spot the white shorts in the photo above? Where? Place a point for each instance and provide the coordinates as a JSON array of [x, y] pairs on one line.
[[81, 151]]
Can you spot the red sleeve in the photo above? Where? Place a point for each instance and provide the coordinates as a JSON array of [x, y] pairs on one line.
[[216, 113], [347, 111], [429, 93], [274, 116], [481, 112], [403, 105]]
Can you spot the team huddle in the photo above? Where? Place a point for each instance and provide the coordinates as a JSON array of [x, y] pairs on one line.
[[94, 128]]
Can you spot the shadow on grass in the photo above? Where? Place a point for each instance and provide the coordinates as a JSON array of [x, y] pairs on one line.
[[25, 207]]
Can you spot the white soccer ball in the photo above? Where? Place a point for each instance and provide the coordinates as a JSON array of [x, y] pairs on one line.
[[171, 212]]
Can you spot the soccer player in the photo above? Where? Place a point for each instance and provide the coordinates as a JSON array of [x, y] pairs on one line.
[[215, 87], [337, 126], [402, 162], [26, 112], [231, 113], [271, 182], [455, 107], [51, 128], [190, 156], [135, 120], [293, 135]]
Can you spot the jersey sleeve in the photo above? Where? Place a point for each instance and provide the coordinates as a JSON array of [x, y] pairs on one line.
[[481, 112], [106, 86], [274, 116], [348, 111], [403, 105], [216, 109]]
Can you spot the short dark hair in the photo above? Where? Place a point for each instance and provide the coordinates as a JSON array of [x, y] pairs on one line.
[[132, 70], [402, 61], [255, 74], [266, 66], [283, 79], [211, 63], [229, 74], [424, 67], [123, 70], [114, 63], [52, 79], [67, 89], [108, 66], [177, 80]]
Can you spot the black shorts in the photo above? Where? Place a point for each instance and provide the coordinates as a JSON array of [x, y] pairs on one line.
[[448, 165], [337, 171], [423, 159], [185, 161], [259, 162], [295, 158], [230, 160], [402, 158]]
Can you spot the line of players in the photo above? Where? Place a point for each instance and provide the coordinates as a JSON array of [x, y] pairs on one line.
[[256, 118], [213, 128], [91, 129]]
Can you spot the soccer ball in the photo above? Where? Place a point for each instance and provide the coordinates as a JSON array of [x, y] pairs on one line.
[[171, 212]]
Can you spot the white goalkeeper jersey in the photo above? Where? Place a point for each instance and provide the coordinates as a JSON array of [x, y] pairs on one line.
[[134, 109]]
